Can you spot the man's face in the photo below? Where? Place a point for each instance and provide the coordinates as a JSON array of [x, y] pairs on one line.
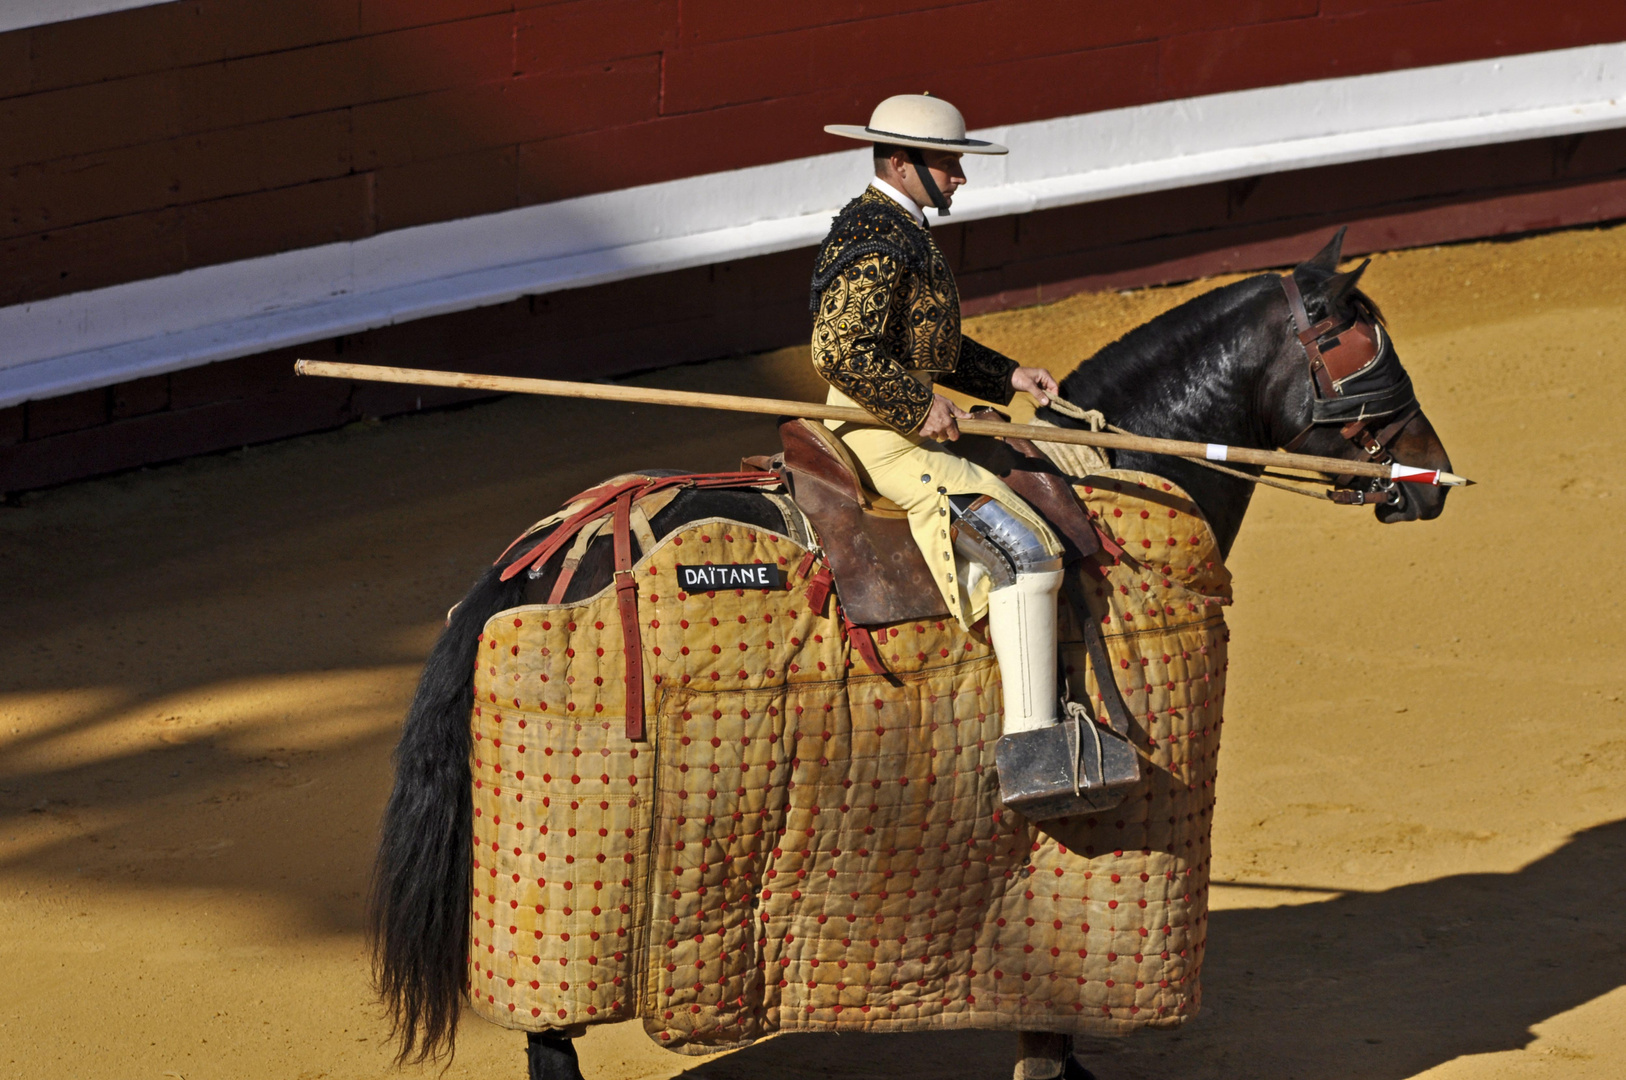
[[945, 169]]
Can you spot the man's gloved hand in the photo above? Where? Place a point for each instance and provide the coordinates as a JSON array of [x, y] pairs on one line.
[[939, 423], [1037, 382]]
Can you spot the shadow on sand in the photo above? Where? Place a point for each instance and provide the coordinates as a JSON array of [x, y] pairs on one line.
[[203, 667], [1375, 986]]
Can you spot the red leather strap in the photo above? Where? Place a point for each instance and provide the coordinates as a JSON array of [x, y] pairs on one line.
[[864, 645], [1376, 443], [566, 572], [626, 602], [723, 480], [1107, 543], [818, 589], [616, 499], [602, 497]]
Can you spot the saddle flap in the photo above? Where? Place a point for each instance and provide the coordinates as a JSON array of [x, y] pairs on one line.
[[880, 574]]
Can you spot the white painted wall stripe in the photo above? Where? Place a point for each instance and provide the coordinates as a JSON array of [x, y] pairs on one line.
[[20, 14], [103, 336]]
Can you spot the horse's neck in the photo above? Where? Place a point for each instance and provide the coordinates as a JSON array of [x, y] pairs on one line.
[[1210, 393]]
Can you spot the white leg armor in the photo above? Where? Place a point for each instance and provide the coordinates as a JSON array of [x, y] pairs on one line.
[[1022, 624], [1021, 606]]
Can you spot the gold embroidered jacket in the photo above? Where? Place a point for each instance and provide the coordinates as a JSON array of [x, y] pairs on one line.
[[884, 306]]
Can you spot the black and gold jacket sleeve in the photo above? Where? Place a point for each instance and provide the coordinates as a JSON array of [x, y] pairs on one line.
[[885, 307]]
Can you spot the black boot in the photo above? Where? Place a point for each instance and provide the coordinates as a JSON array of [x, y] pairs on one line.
[[551, 1057]]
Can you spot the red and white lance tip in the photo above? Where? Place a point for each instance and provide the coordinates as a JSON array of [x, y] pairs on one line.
[[1221, 452], [1427, 476]]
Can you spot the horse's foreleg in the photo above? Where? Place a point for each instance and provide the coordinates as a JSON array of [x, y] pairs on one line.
[[551, 1057], [1044, 1055]]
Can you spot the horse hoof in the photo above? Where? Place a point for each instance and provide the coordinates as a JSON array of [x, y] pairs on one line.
[[551, 1057], [1072, 1070]]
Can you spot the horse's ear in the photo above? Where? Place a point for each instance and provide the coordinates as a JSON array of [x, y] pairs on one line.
[[1339, 286], [1327, 258]]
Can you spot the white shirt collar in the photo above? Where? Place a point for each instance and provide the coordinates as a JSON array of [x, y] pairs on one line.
[[900, 198]]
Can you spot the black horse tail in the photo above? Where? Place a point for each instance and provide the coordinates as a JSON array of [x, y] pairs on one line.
[[418, 910]]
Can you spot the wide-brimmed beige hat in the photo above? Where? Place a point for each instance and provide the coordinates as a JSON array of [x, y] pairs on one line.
[[917, 120]]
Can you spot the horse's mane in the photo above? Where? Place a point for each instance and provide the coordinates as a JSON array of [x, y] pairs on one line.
[[1152, 347]]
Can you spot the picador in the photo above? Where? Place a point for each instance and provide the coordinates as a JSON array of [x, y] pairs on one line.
[[886, 331]]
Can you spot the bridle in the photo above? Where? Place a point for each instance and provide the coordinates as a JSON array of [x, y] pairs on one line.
[[1358, 384]]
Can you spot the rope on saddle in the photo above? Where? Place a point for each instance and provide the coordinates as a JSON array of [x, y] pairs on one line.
[[615, 500], [1098, 422]]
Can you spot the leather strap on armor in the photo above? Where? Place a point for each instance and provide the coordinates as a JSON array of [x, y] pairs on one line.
[[616, 500], [626, 602]]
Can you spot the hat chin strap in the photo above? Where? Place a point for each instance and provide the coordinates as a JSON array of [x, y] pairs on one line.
[[928, 182]]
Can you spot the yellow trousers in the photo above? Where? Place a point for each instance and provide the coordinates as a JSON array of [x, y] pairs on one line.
[[919, 475]]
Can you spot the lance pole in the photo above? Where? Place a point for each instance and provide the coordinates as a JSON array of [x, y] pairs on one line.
[[641, 395]]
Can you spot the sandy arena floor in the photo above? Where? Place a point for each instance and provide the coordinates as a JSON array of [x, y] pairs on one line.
[[1422, 823]]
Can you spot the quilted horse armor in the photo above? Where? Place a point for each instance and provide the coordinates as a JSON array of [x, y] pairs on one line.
[[809, 834]]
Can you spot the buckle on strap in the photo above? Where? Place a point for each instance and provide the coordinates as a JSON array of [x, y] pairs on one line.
[[1353, 497]]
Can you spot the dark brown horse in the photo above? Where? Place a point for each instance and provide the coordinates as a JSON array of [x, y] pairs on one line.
[[1227, 367]]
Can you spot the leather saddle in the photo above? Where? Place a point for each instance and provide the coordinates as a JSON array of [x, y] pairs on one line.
[[879, 571], [880, 574]]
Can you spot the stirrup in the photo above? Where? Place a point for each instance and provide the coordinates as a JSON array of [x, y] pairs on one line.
[[1056, 772]]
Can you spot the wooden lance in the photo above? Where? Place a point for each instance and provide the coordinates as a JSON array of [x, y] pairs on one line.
[[639, 395]]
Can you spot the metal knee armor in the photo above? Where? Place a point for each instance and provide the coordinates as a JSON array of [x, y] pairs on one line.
[[997, 540]]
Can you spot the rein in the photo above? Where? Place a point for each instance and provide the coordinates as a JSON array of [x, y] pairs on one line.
[[1097, 422]]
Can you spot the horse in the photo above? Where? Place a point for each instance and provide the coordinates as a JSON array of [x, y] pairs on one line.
[[1231, 366]]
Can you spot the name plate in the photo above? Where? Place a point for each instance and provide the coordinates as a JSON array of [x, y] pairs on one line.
[[730, 576]]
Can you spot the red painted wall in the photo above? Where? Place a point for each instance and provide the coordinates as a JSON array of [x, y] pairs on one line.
[[761, 303], [156, 140]]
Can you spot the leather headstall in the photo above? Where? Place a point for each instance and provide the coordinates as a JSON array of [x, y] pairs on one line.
[[1358, 384]]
